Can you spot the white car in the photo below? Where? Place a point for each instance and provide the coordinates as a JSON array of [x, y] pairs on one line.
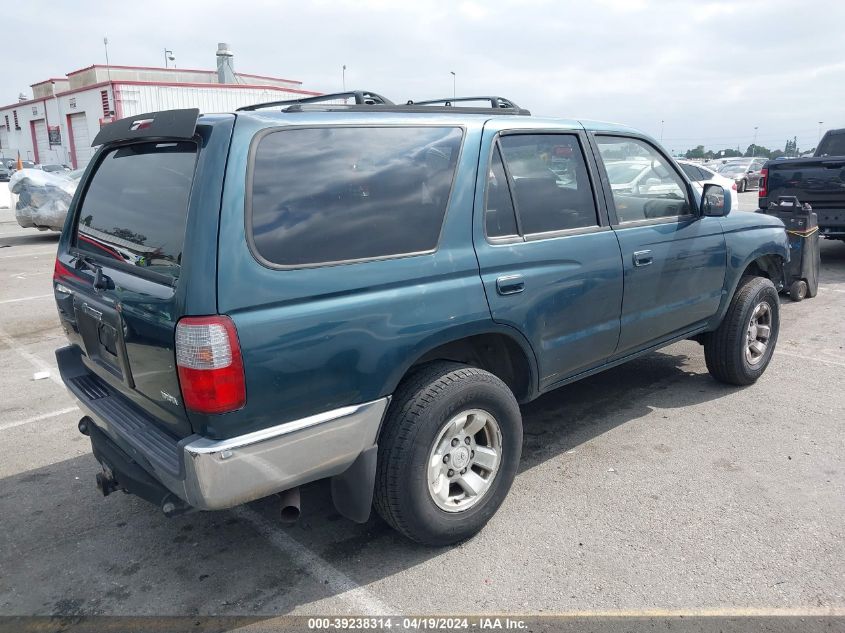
[[701, 175]]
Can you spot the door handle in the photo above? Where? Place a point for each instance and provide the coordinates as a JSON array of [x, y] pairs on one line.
[[510, 284], [643, 258]]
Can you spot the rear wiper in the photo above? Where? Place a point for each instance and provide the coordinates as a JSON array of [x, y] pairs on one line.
[[101, 281]]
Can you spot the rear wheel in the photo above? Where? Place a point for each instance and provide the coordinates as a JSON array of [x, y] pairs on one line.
[[448, 453], [739, 351], [742, 186]]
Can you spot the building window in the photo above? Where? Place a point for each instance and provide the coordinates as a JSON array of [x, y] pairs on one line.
[[35, 110], [7, 122], [72, 102], [104, 95], [15, 117]]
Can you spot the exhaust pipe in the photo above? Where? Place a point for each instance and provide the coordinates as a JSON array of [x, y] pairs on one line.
[[290, 506]]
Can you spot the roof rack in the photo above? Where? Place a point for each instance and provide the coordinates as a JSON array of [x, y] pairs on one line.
[[362, 97], [369, 101], [496, 103]]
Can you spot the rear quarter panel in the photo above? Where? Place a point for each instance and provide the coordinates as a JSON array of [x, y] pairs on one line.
[[314, 339]]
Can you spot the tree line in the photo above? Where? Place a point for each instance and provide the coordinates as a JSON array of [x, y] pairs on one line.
[[790, 148]]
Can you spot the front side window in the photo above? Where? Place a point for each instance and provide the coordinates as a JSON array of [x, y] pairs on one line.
[[335, 194], [550, 182], [644, 184]]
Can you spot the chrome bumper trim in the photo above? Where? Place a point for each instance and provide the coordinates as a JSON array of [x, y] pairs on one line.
[[226, 473]]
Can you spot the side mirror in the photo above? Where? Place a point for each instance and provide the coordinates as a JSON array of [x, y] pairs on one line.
[[715, 201]]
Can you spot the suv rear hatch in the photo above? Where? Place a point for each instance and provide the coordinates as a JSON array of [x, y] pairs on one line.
[[121, 278]]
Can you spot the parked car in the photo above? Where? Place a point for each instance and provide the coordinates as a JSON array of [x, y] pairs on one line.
[[26, 164], [639, 177], [5, 173], [744, 172], [301, 291], [700, 175], [818, 180], [54, 168]]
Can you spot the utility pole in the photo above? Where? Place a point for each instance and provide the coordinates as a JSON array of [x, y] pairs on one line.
[[454, 89], [106, 46]]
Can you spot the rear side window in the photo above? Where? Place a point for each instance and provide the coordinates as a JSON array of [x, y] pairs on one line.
[[499, 216], [136, 205], [336, 194], [550, 182]]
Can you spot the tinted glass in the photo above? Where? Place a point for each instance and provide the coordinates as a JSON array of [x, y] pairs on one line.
[[657, 191], [336, 194], [135, 208], [706, 174], [550, 182], [692, 172], [832, 145], [499, 217]]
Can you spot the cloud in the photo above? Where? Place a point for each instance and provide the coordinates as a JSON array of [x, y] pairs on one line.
[[711, 70]]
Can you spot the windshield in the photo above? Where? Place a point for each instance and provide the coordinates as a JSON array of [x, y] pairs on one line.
[[733, 168]]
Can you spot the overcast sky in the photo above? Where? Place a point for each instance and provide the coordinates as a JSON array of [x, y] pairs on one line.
[[711, 70]]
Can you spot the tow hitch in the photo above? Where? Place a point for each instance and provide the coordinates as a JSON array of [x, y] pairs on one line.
[[121, 472]]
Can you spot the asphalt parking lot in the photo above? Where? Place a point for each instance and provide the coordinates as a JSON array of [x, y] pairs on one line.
[[649, 487]]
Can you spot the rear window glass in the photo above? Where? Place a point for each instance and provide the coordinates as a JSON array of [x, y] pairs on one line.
[[135, 208], [832, 145], [327, 195]]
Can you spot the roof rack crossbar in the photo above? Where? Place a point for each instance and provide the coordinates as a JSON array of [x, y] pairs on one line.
[[361, 97], [496, 103]]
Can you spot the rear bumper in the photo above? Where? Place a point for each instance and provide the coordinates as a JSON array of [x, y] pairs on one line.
[[216, 474]]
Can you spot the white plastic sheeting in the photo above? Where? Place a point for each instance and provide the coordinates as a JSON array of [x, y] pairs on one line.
[[43, 197]]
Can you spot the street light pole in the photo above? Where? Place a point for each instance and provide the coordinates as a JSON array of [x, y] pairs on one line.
[[168, 55], [754, 144], [454, 89], [343, 74], [820, 132], [661, 130]]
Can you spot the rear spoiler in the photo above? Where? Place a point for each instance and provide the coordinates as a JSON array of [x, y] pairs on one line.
[[169, 124]]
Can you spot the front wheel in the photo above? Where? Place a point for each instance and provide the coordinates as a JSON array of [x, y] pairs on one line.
[[448, 453], [739, 351]]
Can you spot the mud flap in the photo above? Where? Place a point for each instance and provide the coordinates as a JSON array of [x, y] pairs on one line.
[[352, 490]]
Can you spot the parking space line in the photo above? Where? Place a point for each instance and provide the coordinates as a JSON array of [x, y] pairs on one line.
[[52, 251], [37, 418], [359, 598], [25, 298], [810, 358], [33, 360]]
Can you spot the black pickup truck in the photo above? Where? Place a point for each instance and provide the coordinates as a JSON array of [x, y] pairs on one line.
[[818, 180]]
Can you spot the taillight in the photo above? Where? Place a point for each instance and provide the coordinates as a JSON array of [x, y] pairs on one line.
[[764, 176], [62, 272], [211, 371]]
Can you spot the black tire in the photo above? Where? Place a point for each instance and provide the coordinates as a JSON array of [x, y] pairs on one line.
[[724, 349], [798, 290], [742, 186], [424, 402]]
